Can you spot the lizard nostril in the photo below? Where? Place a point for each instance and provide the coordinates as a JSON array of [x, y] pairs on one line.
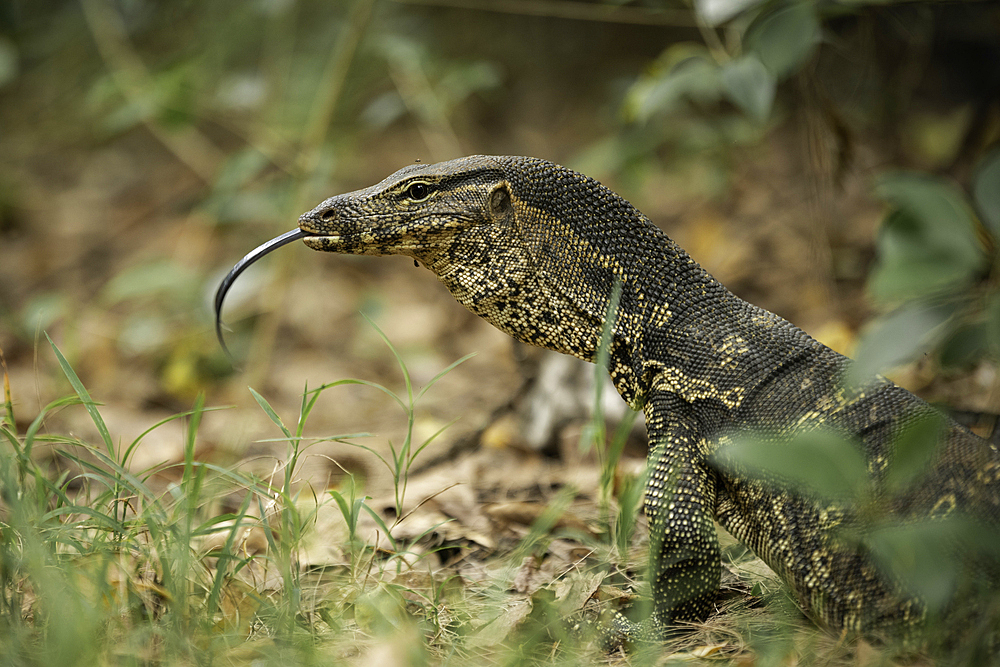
[[328, 215]]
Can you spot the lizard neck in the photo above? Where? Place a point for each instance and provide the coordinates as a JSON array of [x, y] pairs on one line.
[[681, 332], [676, 329]]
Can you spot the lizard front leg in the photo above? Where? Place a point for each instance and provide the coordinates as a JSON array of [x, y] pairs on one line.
[[685, 561]]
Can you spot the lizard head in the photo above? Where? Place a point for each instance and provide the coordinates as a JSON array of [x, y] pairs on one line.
[[467, 221], [533, 248], [420, 211]]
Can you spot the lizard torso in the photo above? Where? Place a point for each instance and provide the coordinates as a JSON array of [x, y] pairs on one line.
[[538, 250]]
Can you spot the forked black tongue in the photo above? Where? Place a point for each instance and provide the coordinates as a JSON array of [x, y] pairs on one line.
[[241, 266]]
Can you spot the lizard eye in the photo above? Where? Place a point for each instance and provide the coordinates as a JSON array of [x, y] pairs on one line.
[[418, 191]]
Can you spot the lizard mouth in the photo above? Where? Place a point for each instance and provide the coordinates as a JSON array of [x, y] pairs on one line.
[[240, 267]]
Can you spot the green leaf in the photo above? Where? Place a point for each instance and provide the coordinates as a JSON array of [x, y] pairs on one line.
[[927, 243], [269, 411], [915, 449], [88, 402], [896, 338], [9, 65], [785, 37], [380, 522], [683, 73], [965, 346], [817, 463], [992, 324], [750, 86], [986, 192], [922, 555]]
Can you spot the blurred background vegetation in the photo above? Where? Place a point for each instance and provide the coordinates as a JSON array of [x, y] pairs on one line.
[[835, 162]]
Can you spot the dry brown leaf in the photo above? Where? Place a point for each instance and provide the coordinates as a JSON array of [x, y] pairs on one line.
[[705, 651], [496, 630], [526, 579], [574, 590], [525, 514], [569, 551]]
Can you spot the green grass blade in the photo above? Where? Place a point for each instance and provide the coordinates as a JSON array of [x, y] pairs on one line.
[[399, 358], [226, 556], [85, 398], [429, 440], [440, 375], [381, 524], [192, 431], [100, 518], [272, 415], [7, 420], [36, 424], [180, 415], [15, 443]]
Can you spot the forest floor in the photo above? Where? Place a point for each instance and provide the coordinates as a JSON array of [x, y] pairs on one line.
[[110, 254]]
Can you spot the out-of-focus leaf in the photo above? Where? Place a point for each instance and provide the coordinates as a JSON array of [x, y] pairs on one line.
[[927, 243], [915, 447], [682, 73], [923, 555], [896, 338], [785, 37], [992, 313], [169, 98], [244, 91], [384, 110], [910, 265], [818, 463], [933, 138], [920, 555], [966, 345], [750, 86], [42, 310], [154, 278], [433, 87], [177, 92], [715, 12], [142, 333], [239, 194], [381, 611], [462, 79], [8, 62], [239, 169], [986, 190], [130, 113]]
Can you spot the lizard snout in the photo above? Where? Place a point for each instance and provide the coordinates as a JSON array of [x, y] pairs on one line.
[[321, 220]]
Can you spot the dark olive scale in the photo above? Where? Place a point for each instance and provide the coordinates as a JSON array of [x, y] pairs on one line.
[[537, 250]]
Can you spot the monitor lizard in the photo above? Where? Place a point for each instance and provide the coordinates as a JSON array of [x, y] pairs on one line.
[[539, 250]]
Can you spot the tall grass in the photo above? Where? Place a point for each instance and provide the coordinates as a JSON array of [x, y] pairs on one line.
[[100, 564]]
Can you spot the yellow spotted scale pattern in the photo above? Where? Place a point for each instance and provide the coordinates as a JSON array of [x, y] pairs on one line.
[[537, 249]]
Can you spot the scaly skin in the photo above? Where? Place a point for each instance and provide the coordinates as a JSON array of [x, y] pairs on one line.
[[536, 249]]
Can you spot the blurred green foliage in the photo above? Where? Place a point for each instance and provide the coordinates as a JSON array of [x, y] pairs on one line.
[[947, 561], [935, 277], [270, 101], [773, 40], [936, 268]]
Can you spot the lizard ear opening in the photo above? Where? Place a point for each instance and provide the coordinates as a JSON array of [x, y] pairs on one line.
[[499, 202]]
